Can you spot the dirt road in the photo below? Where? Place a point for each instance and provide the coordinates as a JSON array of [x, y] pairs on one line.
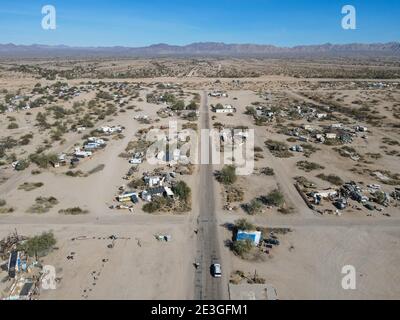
[[208, 250]]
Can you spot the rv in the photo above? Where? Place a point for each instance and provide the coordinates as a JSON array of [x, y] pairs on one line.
[[128, 196], [82, 154], [13, 264]]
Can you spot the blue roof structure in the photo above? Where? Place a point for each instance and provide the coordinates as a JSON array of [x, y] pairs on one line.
[[253, 236]]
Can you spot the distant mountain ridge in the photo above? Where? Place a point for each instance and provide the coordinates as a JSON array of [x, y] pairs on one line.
[[203, 49]]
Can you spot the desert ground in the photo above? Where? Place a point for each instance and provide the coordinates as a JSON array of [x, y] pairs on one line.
[[52, 108]]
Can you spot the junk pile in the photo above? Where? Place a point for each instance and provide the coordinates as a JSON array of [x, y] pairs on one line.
[[23, 273]]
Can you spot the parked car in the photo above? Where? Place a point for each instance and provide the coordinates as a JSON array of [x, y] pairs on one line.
[[135, 161], [273, 242], [369, 207], [216, 270]]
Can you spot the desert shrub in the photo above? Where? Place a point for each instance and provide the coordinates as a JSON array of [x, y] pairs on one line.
[[251, 111], [179, 105], [303, 181], [244, 225], [331, 178], [153, 206], [234, 194], [227, 175], [347, 151], [390, 142], [192, 106], [75, 174], [43, 205], [13, 125], [104, 95], [2, 202], [39, 246], [73, 211], [274, 198], [182, 190], [136, 183], [309, 166], [190, 125], [375, 156], [27, 186], [192, 116], [278, 149], [25, 139], [309, 149], [242, 247], [267, 171], [253, 207], [4, 210], [42, 160]]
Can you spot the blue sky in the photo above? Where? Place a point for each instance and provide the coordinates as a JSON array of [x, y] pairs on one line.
[[145, 22]]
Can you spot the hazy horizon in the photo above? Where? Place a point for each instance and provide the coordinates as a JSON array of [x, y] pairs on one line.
[[202, 42]]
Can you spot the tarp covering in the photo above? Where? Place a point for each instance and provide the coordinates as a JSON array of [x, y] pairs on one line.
[[253, 236]]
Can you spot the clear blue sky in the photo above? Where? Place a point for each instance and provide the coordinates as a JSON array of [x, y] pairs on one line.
[[144, 22]]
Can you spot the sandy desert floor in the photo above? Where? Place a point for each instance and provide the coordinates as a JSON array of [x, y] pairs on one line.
[[307, 264]]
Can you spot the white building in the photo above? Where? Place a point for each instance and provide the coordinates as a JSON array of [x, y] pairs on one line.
[[227, 108]]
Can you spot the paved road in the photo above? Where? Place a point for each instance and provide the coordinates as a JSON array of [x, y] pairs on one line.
[[208, 250]]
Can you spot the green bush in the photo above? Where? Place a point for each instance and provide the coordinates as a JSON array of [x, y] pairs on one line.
[[73, 211], [254, 207], [278, 149], [251, 111], [192, 106], [227, 175], [179, 105], [43, 205], [13, 125], [182, 190], [274, 198], [43, 160], [267, 171], [244, 225], [242, 247], [39, 245], [337, 181], [152, 207], [136, 183], [309, 166]]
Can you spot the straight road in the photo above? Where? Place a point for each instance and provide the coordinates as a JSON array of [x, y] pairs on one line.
[[208, 246]]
